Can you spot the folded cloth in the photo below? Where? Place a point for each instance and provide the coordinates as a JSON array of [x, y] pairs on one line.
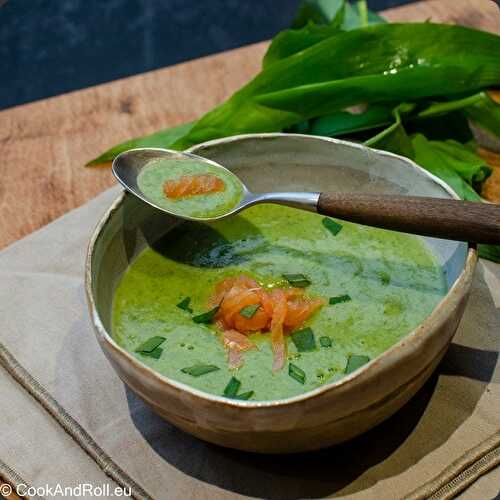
[[68, 419]]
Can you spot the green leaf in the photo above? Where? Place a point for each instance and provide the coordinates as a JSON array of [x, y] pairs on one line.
[[244, 395], [317, 12], [325, 342], [297, 280], [331, 225], [358, 16], [232, 388], [443, 119], [441, 127], [486, 113], [394, 138], [355, 361], [466, 163], [382, 62], [184, 304], [304, 340], [199, 369], [206, 317], [297, 373], [452, 162], [325, 11], [379, 115], [339, 299], [384, 277], [378, 63], [349, 121], [291, 41], [444, 107], [249, 311], [150, 345], [161, 139], [362, 12], [490, 252], [155, 353]]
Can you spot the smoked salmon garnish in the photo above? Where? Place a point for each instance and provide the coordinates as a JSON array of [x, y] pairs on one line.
[[246, 307], [280, 309], [189, 185], [236, 343]]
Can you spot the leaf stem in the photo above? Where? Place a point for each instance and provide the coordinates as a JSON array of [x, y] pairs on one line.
[[363, 12]]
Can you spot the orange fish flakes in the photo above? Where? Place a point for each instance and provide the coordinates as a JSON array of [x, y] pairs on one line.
[[191, 185], [279, 310]]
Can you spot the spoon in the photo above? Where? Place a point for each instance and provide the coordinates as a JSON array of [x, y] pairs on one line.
[[438, 217]]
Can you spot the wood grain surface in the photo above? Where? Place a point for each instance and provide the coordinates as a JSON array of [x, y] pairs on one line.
[[44, 145]]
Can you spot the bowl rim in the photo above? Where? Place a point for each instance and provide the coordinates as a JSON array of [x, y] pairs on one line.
[[404, 347]]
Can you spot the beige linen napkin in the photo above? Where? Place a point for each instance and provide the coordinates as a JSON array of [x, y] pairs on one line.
[[66, 417]]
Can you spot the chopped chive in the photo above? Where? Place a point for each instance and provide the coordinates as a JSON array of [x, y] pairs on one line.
[[339, 299], [297, 280], [150, 344], [355, 361], [206, 317], [304, 340], [155, 353], [232, 388], [198, 370], [332, 226], [184, 305], [244, 395], [325, 342], [385, 278], [249, 311], [297, 373]]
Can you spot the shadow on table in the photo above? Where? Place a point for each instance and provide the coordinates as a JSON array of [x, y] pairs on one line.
[[321, 473]]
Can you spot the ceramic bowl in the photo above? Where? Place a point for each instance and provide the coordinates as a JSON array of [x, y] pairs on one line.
[[334, 412]]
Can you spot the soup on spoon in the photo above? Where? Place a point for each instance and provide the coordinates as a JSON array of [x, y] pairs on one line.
[[190, 187]]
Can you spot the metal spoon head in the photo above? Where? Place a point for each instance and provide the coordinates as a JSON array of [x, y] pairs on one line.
[[128, 165]]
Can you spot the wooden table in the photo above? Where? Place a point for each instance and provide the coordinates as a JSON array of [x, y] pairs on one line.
[[45, 144]]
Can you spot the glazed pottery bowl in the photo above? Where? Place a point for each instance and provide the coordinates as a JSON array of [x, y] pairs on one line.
[[334, 412]]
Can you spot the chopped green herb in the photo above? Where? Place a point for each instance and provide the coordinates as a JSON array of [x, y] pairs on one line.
[[184, 304], [244, 395], [355, 361], [150, 345], [384, 277], [297, 280], [155, 353], [297, 373], [198, 370], [232, 388], [332, 226], [339, 299], [304, 340], [249, 311], [206, 317], [325, 342]]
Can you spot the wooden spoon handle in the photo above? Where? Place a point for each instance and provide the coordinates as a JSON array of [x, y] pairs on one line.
[[442, 218]]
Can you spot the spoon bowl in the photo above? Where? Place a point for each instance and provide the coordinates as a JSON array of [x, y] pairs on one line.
[[128, 166]]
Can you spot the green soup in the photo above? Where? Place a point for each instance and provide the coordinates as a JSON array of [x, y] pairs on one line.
[[154, 175], [391, 279]]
